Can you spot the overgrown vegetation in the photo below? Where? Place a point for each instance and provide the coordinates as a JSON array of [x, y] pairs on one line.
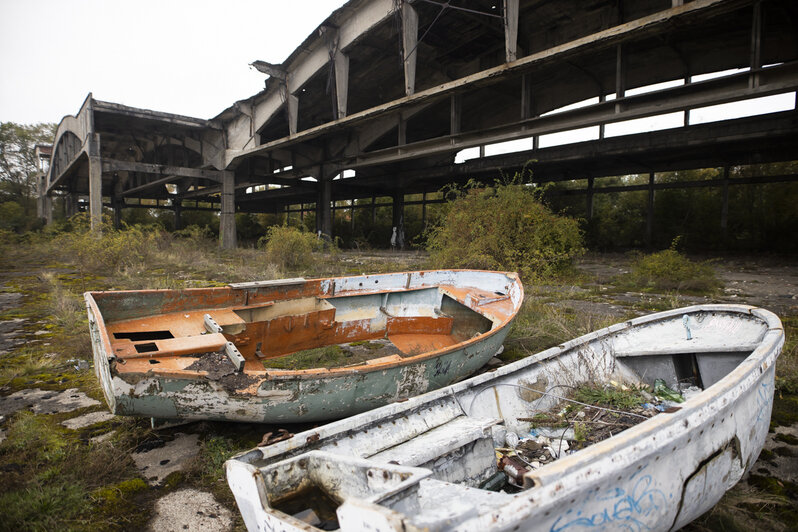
[[291, 248], [670, 270], [504, 227]]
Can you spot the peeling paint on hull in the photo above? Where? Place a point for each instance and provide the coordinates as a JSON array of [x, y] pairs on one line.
[[444, 325], [658, 475]]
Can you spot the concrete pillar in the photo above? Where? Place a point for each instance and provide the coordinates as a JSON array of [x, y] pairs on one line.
[[227, 225], [95, 184], [456, 112], [177, 206], [510, 29], [724, 208], [323, 211], [291, 108], [48, 209], [526, 96], [117, 207], [589, 206], [409, 43], [620, 75], [756, 46], [398, 231], [95, 194], [341, 83], [650, 212], [70, 204], [401, 131], [424, 210]]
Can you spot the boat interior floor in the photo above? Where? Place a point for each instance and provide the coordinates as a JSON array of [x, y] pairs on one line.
[[301, 333]]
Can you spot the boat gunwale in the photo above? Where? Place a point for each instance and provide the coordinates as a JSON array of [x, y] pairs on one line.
[[321, 373], [740, 379]]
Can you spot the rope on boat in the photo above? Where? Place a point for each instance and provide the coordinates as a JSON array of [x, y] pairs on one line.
[[523, 387]]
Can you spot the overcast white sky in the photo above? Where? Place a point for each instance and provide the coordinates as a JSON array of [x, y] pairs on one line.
[[188, 57]]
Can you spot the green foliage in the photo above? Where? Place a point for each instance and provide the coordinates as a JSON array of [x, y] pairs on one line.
[[787, 363], [620, 397], [36, 438], [670, 270], [216, 450], [290, 247], [118, 493], [43, 507], [505, 227], [110, 251], [12, 216], [195, 234]]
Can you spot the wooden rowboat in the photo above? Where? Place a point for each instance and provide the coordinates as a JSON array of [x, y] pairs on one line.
[[417, 465], [247, 352]]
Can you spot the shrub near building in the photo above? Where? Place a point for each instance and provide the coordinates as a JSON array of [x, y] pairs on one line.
[[505, 227]]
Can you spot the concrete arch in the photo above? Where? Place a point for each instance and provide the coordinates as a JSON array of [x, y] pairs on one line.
[[71, 129]]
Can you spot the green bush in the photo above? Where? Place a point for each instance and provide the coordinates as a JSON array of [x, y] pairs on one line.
[[670, 270], [290, 247], [505, 227], [109, 251]]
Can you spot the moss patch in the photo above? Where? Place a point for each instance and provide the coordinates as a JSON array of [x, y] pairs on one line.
[[785, 410], [786, 438]]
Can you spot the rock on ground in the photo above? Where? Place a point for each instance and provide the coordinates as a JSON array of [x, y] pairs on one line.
[[45, 402], [189, 510], [87, 420], [156, 464]]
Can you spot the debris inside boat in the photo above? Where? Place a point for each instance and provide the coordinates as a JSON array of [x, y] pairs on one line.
[[296, 350], [586, 415]]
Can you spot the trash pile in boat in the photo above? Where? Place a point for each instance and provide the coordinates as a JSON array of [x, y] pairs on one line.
[[587, 415]]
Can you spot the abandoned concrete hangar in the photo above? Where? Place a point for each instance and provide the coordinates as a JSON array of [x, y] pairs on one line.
[[380, 99]]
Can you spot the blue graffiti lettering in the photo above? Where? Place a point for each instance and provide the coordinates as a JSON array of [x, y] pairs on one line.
[[763, 398], [635, 510]]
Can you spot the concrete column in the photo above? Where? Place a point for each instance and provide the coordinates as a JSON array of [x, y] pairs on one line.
[[589, 206], [756, 45], [95, 194], [323, 211], [409, 43], [456, 112], [526, 96], [177, 206], [620, 75], [291, 108], [510, 29], [341, 83], [70, 204], [724, 208], [650, 211], [48, 209], [424, 210], [95, 183], [227, 225], [401, 131], [117, 207], [398, 231]]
